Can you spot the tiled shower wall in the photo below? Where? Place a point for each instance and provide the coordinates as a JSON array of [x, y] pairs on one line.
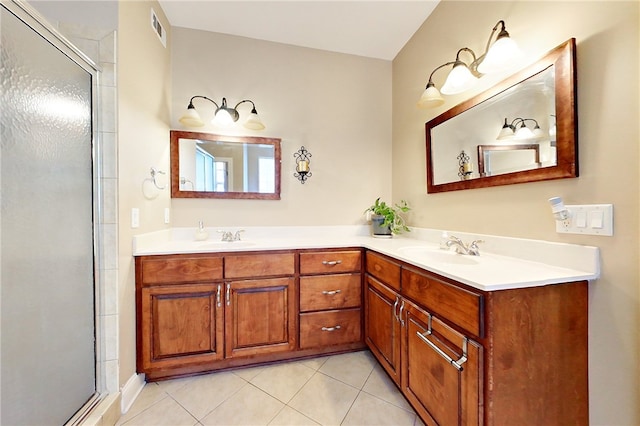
[[100, 46]]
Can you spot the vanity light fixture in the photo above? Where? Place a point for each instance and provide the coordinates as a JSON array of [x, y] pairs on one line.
[[302, 164], [512, 131], [224, 115], [496, 57]]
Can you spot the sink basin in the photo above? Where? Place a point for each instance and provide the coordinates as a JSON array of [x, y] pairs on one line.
[[429, 255], [221, 245]]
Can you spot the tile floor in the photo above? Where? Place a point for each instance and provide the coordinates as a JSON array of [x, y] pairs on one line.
[[347, 389]]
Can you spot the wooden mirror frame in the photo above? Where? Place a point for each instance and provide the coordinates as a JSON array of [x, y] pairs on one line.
[[563, 58], [176, 192]]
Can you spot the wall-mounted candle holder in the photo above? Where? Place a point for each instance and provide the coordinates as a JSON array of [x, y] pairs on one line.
[[302, 164], [465, 168]]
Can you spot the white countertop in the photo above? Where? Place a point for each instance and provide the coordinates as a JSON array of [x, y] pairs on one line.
[[504, 263]]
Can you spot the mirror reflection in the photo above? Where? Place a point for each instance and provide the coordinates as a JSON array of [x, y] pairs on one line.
[[521, 130], [528, 104], [211, 166]]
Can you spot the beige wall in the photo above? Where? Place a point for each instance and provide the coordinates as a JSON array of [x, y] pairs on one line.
[[144, 94], [338, 106], [608, 55]]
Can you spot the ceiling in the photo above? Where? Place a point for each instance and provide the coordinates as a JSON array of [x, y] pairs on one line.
[[376, 29]]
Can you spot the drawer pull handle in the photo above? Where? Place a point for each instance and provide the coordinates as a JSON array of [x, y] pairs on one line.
[[456, 363], [334, 328], [331, 293], [331, 262]]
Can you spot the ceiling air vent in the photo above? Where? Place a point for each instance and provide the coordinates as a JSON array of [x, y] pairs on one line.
[[158, 28]]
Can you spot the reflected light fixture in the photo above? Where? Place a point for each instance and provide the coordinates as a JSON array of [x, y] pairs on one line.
[[512, 131], [498, 56], [224, 115]]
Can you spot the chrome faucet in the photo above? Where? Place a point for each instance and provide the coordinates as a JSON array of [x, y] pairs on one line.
[[229, 236], [461, 248]]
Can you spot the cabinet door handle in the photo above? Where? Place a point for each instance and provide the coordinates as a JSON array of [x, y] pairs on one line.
[[456, 363], [228, 294], [331, 293], [400, 314], [331, 262], [218, 295], [395, 307], [334, 328]]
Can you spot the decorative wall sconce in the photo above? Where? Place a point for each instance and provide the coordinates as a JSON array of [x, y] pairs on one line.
[[224, 115], [512, 131], [496, 57], [302, 164], [465, 168]]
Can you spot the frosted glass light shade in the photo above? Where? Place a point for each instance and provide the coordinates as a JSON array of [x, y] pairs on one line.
[[538, 133], [430, 98], [502, 54], [222, 118], [253, 121], [191, 118], [458, 80], [524, 133], [506, 132]]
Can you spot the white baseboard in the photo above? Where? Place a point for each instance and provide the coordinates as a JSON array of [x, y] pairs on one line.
[[131, 390]]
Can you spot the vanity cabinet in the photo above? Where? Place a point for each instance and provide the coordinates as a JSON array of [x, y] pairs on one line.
[[210, 311], [470, 357], [330, 298]]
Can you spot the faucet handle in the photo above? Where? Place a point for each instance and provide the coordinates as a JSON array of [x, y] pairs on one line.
[[236, 237], [473, 247]]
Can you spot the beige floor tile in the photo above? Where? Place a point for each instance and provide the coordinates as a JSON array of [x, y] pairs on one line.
[[290, 417], [283, 381], [204, 393], [351, 368], [315, 363], [369, 410], [324, 399], [249, 406], [380, 385], [165, 412], [248, 373], [150, 394]]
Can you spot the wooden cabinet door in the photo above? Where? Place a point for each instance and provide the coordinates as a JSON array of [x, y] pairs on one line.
[[382, 325], [260, 316], [180, 325], [441, 371]]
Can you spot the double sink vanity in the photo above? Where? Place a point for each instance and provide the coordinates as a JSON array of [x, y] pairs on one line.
[[470, 340]]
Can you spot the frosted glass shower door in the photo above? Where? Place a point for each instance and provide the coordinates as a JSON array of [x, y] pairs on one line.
[[46, 232]]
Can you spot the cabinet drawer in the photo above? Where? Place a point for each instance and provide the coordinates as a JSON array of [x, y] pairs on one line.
[[385, 270], [330, 328], [330, 292], [259, 265], [330, 262], [171, 270], [457, 305]]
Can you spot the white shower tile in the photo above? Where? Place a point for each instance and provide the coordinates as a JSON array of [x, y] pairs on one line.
[[110, 337], [108, 109], [108, 48], [109, 155], [109, 212]]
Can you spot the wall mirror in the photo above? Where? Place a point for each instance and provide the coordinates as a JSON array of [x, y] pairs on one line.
[[523, 129], [205, 165]]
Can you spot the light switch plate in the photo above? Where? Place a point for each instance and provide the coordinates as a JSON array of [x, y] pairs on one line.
[[588, 219], [135, 217]]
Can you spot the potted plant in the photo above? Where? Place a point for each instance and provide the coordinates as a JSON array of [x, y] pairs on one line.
[[386, 220]]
